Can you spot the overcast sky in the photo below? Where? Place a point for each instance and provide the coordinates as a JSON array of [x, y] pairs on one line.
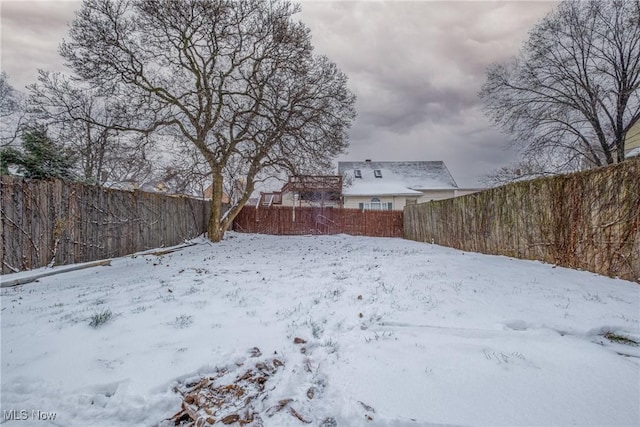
[[416, 68]]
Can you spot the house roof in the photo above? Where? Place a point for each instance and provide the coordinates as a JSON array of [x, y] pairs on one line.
[[397, 178], [331, 183], [633, 153]]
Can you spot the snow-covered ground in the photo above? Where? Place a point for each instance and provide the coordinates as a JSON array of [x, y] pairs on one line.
[[397, 333]]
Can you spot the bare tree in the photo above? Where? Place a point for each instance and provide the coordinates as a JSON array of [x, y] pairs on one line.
[[84, 120], [11, 112], [236, 79], [574, 89], [185, 171], [519, 171]]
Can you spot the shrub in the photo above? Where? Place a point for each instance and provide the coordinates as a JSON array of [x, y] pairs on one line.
[[99, 319]]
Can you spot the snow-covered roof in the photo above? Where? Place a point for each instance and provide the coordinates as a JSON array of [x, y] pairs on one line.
[[122, 185], [633, 153], [397, 178], [156, 187]]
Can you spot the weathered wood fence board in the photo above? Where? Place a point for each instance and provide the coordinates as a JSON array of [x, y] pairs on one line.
[[54, 222], [588, 220], [306, 220]]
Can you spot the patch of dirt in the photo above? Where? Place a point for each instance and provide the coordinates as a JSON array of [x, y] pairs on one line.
[[220, 400], [613, 337]]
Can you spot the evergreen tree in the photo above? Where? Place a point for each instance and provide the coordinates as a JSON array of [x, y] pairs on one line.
[[41, 157], [9, 156]]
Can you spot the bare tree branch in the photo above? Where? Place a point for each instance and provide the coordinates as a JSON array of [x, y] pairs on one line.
[[89, 123], [12, 112]]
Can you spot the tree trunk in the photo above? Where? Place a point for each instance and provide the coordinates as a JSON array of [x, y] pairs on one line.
[[620, 143], [215, 231]]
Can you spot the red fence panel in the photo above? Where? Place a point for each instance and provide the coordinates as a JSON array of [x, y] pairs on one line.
[[281, 220]]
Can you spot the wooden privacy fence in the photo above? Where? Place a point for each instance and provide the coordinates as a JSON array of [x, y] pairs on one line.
[[588, 220], [51, 222], [307, 220]]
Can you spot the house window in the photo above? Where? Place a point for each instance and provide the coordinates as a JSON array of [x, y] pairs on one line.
[[357, 173], [376, 205], [377, 173]]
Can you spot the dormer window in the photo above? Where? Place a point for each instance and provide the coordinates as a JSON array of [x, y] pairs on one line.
[[377, 173], [357, 173]]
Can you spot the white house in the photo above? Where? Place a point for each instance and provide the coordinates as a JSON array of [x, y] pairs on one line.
[[632, 141], [393, 185]]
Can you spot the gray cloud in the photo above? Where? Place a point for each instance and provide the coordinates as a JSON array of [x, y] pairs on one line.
[[416, 67], [31, 34]]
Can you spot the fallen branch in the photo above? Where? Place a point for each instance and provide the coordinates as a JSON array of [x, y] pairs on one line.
[[66, 269]]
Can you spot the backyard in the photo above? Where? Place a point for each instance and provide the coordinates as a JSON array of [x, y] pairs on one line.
[[320, 330]]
